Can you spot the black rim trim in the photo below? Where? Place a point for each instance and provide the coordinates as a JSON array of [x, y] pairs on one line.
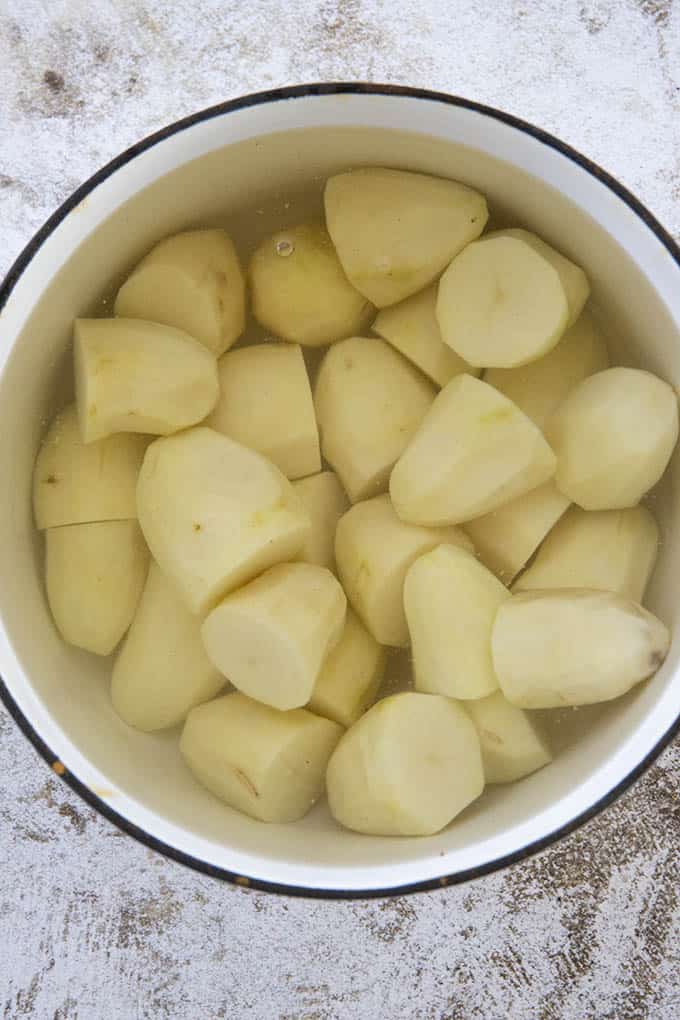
[[13, 275]]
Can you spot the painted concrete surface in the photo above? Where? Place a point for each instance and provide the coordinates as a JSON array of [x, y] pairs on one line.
[[94, 926]]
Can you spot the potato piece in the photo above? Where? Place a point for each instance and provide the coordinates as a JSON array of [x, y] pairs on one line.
[[215, 514], [501, 304], [395, 231], [412, 328], [512, 746], [135, 376], [406, 768], [369, 402], [192, 281], [162, 671], [539, 388], [374, 549], [608, 550], [613, 436], [350, 676], [473, 452], [300, 291], [94, 575], [266, 403], [450, 601], [507, 538], [574, 647], [325, 501], [81, 483], [272, 637], [269, 765]]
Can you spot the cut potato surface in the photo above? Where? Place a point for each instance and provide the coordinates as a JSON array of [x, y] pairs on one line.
[[215, 514], [369, 402], [474, 451], [192, 281], [325, 500], [396, 231], [608, 550], [373, 550], [451, 601], [162, 671], [406, 768], [412, 328], [350, 676], [512, 746], [136, 376], [501, 304], [613, 436], [574, 647], [300, 291], [507, 538], [94, 576], [269, 765], [540, 387], [81, 483], [271, 637], [266, 403]]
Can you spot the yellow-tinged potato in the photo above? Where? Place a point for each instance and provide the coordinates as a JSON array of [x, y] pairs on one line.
[[81, 483], [215, 514], [369, 402], [325, 501], [266, 403], [406, 768], [395, 231], [271, 637], [613, 436], [300, 291], [162, 671], [451, 601], [373, 550], [474, 451], [270, 765], [94, 576], [136, 376], [351, 675], [609, 550], [192, 281], [512, 746], [574, 646]]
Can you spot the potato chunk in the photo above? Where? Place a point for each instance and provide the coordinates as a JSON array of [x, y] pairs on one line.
[[512, 746], [350, 676], [325, 501]]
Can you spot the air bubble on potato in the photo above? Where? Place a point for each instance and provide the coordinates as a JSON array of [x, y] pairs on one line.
[[325, 500], [350, 676], [512, 745]]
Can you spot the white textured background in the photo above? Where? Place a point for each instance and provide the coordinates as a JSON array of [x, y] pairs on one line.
[[94, 926]]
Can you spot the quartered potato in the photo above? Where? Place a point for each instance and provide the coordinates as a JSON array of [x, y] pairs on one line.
[[325, 500], [350, 676], [512, 746]]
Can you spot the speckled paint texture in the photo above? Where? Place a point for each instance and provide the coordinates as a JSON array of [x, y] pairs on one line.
[[93, 925]]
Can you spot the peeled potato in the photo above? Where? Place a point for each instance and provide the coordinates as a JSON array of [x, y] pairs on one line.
[[215, 514], [162, 671], [266, 403], [192, 281], [350, 676], [508, 537], [300, 291], [613, 436], [451, 600], [369, 402], [501, 304], [540, 387], [269, 765], [94, 575], [412, 328], [473, 452], [374, 549], [406, 768], [271, 637], [325, 501], [609, 550], [395, 231], [512, 746], [80, 483], [135, 376], [574, 647]]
